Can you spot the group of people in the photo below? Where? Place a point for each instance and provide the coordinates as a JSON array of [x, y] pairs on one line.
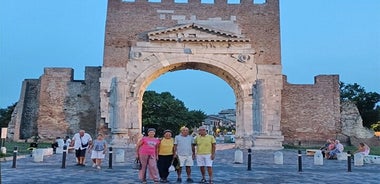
[[157, 155], [82, 142], [333, 147]]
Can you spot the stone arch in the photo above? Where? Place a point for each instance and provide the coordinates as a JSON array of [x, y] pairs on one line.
[[229, 74]]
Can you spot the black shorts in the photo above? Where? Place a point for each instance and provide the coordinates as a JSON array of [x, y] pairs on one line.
[[80, 153]]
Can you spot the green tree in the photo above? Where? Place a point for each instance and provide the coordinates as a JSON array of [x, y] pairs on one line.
[[6, 115], [367, 102], [163, 111]]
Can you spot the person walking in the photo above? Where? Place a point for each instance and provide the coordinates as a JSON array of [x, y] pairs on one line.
[[183, 149], [80, 142], [165, 155], [147, 153], [205, 153], [98, 149]]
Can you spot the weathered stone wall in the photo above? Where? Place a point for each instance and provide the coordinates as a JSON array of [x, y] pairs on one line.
[[128, 22], [56, 105], [23, 124], [311, 113], [352, 123], [29, 114]]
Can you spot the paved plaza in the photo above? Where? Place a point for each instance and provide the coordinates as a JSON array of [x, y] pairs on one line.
[[263, 170]]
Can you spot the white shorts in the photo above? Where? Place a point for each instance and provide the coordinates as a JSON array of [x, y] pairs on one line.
[[204, 160], [97, 154], [185, 161]]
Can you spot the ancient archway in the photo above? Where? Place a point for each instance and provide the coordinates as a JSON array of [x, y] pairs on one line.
[[136, 53]]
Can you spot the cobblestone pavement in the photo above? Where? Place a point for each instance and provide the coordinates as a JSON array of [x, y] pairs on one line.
[[263, 170]]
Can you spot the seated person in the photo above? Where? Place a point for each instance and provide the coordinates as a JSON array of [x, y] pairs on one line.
[[325, 147], [363, 149], [338, 149], [329, 148]]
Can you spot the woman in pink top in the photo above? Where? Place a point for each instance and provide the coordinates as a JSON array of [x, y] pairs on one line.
[[147, 153]]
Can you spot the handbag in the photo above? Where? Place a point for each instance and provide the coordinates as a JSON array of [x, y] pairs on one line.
[[136, 164], [171, 168]]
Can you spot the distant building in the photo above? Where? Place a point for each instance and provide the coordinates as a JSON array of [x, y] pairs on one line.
[[225, 118]]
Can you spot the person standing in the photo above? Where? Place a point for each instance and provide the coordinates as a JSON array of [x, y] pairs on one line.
[[98, 149], [81, 141], [183, 149], [147, 153], [205, 146], [165, 155]]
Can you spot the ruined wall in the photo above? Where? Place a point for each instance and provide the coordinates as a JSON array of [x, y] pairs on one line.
[[311, 113], [127, 22], [352, 123], [23, 123], [56, 105]]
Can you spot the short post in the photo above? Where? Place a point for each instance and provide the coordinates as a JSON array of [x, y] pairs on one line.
[[64, 156], [348, 161], [14, 157], [249, 159], [299, 161], [110, 158]]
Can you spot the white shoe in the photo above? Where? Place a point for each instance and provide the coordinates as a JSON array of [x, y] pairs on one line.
[[93, 165], [98, 167]]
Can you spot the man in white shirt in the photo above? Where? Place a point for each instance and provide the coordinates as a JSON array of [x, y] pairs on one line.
[[80, 142], [183, 148]]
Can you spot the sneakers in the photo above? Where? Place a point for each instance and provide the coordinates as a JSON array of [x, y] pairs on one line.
[[163, 181], [98, 167], [189, 180], [93, 165], [179, 180], [203, 181]]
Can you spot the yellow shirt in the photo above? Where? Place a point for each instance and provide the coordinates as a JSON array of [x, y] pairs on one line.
[[204, 144], [166, 147]]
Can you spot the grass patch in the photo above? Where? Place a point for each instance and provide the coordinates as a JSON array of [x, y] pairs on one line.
[[22, 148]]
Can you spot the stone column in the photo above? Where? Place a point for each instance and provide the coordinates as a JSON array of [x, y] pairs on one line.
[[243, 137], [118, 118], [267, 114]]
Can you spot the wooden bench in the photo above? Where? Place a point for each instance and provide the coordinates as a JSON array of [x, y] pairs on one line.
[[311, 152], [372, 159]]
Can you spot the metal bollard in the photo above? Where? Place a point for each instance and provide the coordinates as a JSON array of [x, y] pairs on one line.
[[249, 159], [348, 161], [299, 161], [14, 157], [110, 158], [64, 156]]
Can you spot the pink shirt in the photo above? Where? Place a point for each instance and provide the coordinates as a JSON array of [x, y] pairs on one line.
[[148, 146]]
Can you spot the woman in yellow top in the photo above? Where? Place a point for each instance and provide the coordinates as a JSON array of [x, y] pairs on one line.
[[165, 155]]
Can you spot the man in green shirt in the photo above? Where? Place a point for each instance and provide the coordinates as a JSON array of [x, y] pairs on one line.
[[205, 145]]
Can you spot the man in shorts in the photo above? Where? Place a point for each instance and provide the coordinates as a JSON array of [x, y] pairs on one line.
[[205, 145], [183, 149], [80, 142]]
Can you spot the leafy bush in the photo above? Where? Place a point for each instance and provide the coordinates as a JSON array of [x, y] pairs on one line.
[[376, 127]]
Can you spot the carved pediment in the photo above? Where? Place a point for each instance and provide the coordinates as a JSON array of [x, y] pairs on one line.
[[194, 33]]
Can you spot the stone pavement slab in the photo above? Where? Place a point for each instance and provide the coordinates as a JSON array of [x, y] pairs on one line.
[[225, 171]]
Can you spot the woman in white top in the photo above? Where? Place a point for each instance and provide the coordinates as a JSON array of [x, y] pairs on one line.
[[363, 149]]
